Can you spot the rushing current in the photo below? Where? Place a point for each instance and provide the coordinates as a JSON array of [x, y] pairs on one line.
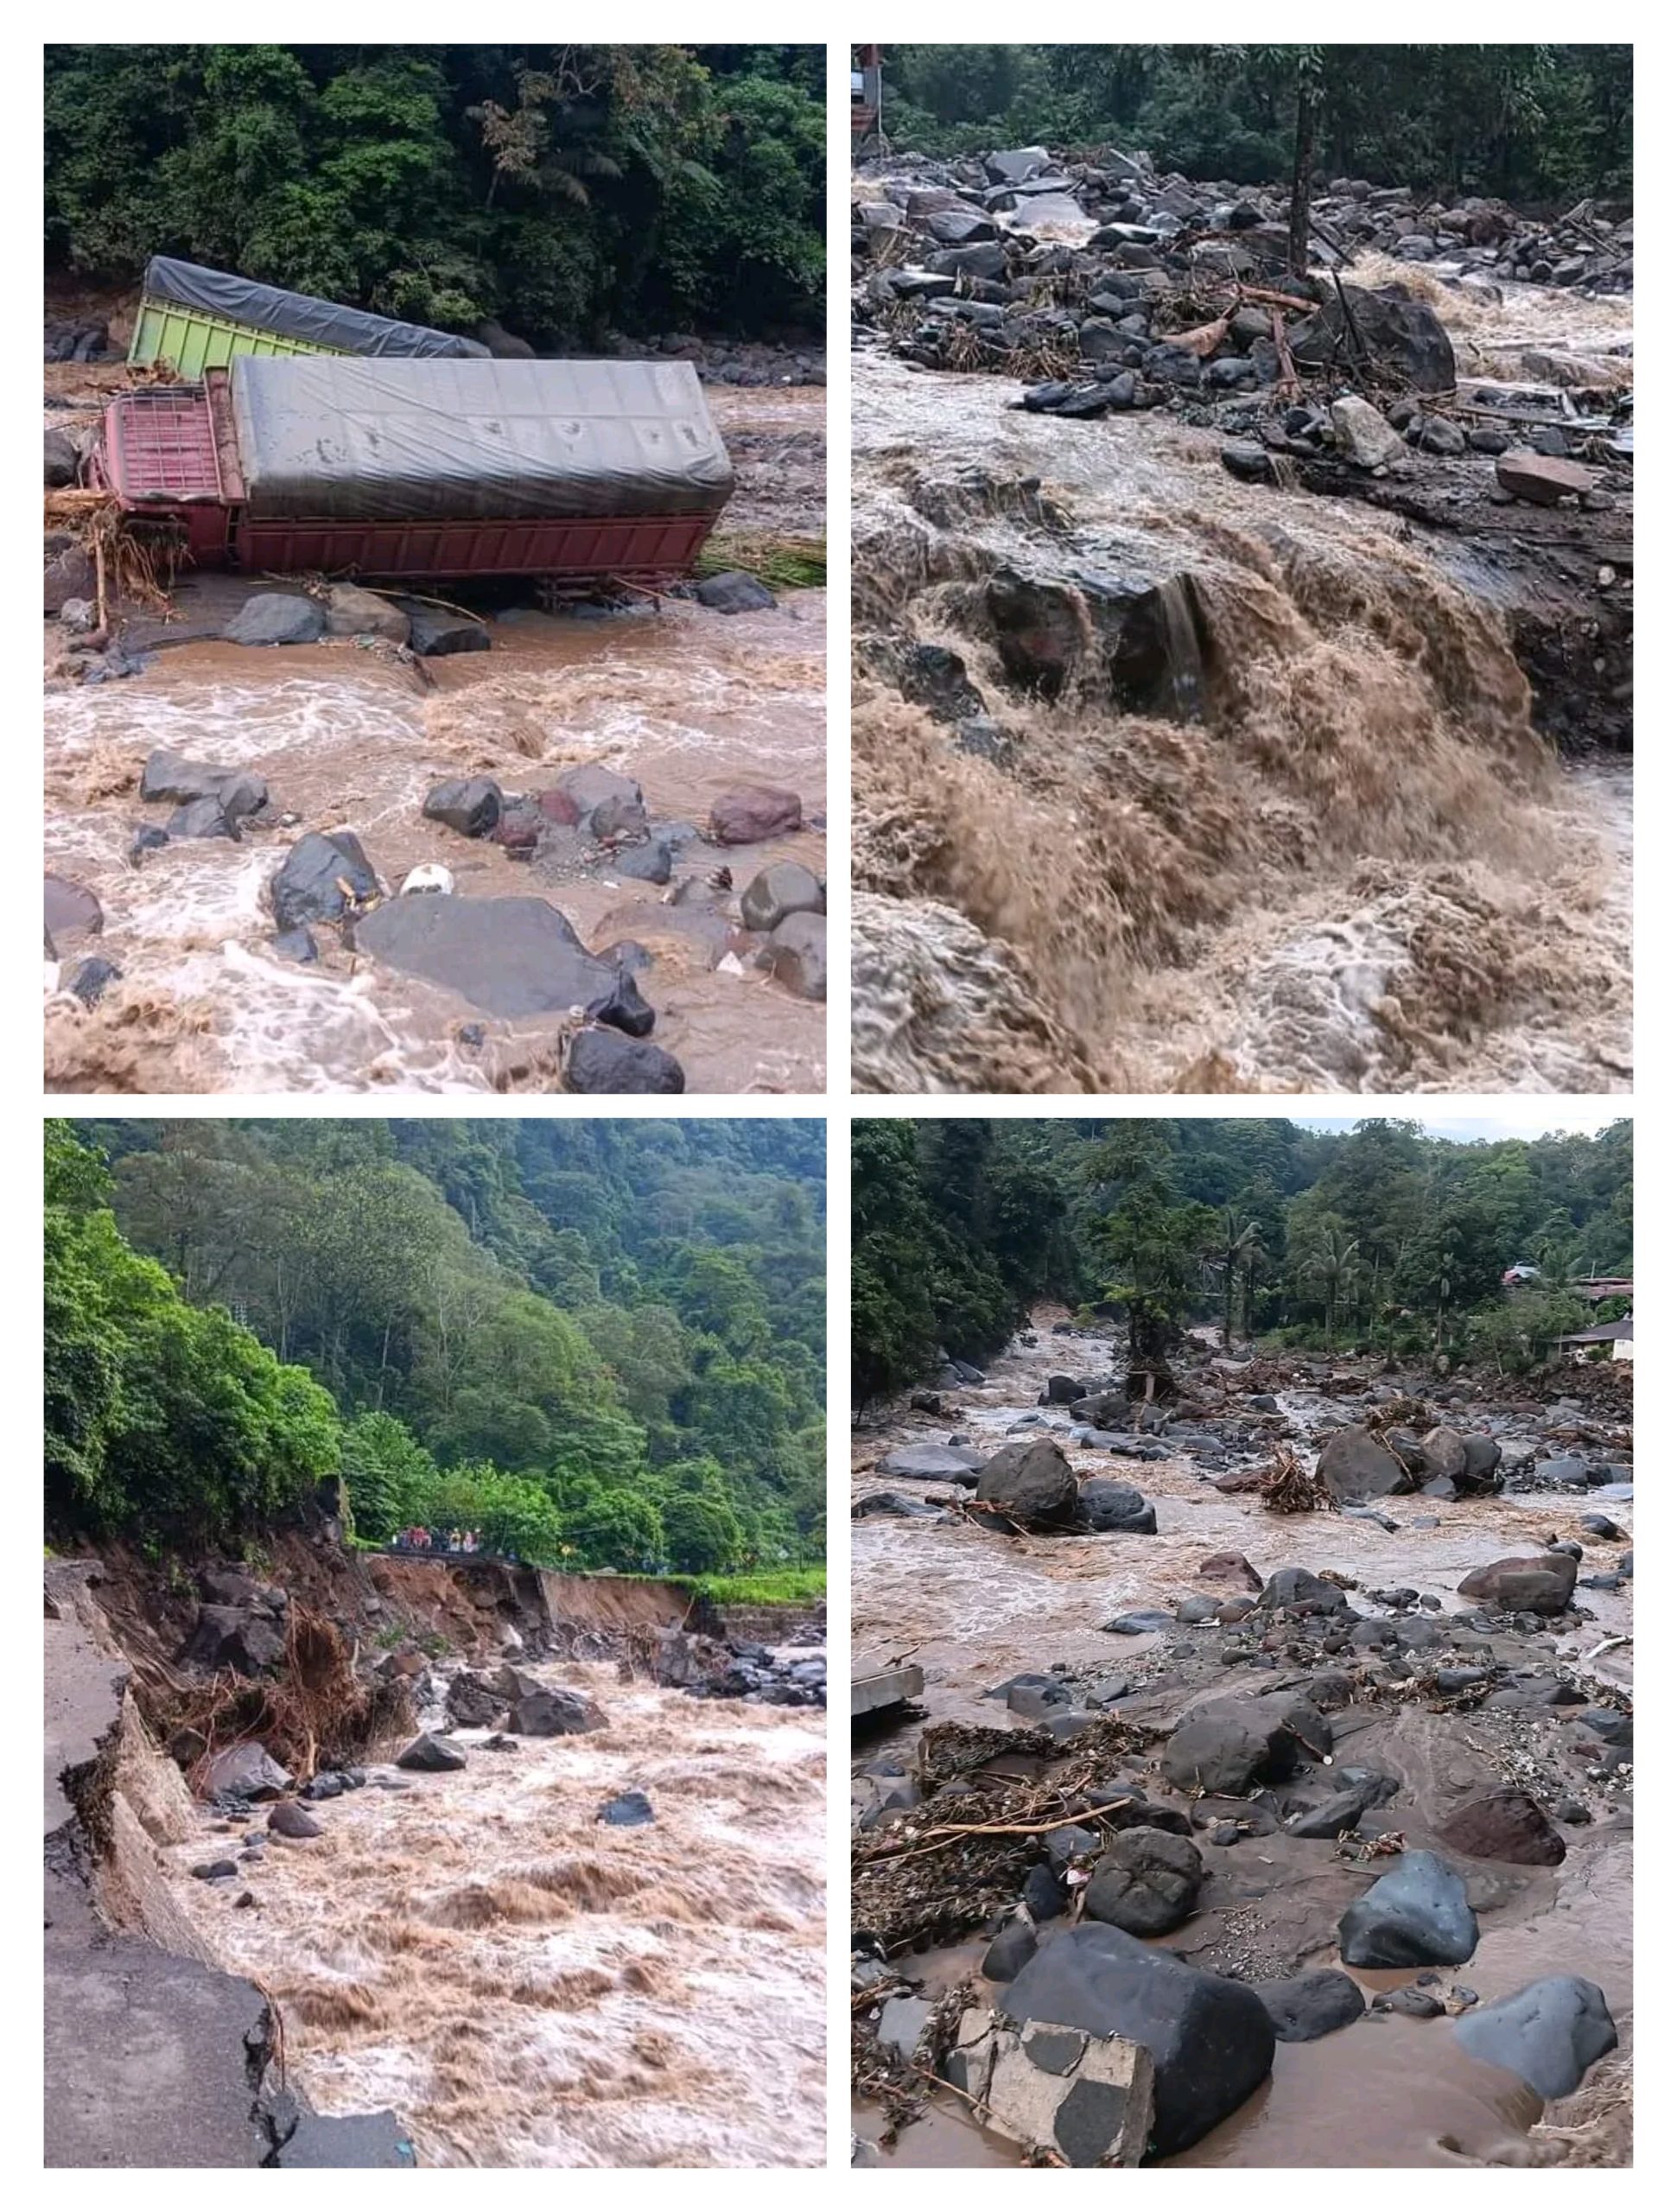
[[525, 1986], [1347, 862]]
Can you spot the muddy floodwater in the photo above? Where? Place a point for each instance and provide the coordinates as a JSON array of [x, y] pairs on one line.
[[1346, 860], [689, 704], [975, 1608], [525, 1986]]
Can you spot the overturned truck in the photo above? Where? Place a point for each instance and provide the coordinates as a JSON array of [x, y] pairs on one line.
[[386, 467]]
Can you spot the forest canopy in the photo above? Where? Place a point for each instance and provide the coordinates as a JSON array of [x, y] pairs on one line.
[[565, 191], [1522, 122], [597, 1343], [1380, 1235]]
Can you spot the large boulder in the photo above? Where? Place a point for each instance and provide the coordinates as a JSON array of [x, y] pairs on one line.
[[430, 1754], [322, 879], [1209, 2038], [555, 1712], [468, 804], [1307, 2005], [753, 812], [1295, 1589], [604, 1062], [1226, 1746], [787, 887], [1363, 434], [509, 957], [474, 1703], [1101, 1408], [236, 1637], [352, 613], [1542, 1584], [276, 618], [1416, 1916], [1030, 1482], [1543, 480], [245, 1770], [1549, 2034], [1445, 1453], [1356, 1463], [1114, 1508], [1146, 1883], [1481, 1458], [796, 955], [1508, 1825], [1396, 330]]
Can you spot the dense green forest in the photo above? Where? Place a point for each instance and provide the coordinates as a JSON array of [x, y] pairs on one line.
[[599, 1344], [1523, 122], [1381, 1237], [567, 191]]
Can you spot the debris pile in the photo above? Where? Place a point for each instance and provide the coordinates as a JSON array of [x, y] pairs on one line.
[[1106, 287]]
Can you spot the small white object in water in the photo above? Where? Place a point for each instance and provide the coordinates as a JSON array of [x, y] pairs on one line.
[[430, 876], [730, 964]]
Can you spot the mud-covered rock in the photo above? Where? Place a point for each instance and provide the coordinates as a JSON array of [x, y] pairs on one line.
[[1541, 1585], [1307, 2005], [1146, 1883]]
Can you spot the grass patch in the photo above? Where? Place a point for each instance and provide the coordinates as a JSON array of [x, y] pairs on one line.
[[786, 1585], [782, 563]]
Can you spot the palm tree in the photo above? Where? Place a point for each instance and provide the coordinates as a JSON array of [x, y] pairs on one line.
[[1335, 1266], [1238, 1243]]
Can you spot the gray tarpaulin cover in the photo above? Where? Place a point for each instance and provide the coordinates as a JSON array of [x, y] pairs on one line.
[[324, 439], [295, 315]]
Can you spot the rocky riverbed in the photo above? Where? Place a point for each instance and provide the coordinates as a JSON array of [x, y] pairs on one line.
[[1221, 697], [298, 841], [1352, 1782]]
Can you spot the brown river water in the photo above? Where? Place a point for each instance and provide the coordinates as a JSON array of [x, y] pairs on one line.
[[689, 702], [973, 1609], [1362, 871], [525, 1987]]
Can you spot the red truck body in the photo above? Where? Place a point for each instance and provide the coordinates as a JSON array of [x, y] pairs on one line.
[[171, 453]]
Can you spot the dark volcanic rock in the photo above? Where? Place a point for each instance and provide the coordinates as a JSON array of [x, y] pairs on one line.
[[733, 592], [1307, 2005], [555, 1712], [1296, 1587], [1416, 1916], [1549, 2034], [1010, 1952], [1108, 1506], [1355, 1463], [276, 618], [289, 1819], [940, 1463], [1146, 1883], [1032, 1482], [321, 878], [633, 1809], [510, 957], [1395, 329], [605, 1062], [430, 1754], [1222, 1747], [471, 805], [1211, 2039]]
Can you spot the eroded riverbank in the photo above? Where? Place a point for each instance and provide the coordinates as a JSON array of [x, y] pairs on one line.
[[1447, 1702]]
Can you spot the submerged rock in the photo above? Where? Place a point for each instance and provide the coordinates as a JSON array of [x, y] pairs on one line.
[[1549, 2034], [321, 878]]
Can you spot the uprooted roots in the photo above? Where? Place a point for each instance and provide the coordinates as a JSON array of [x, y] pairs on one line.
[[1287, 1486], [315, 1713]]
